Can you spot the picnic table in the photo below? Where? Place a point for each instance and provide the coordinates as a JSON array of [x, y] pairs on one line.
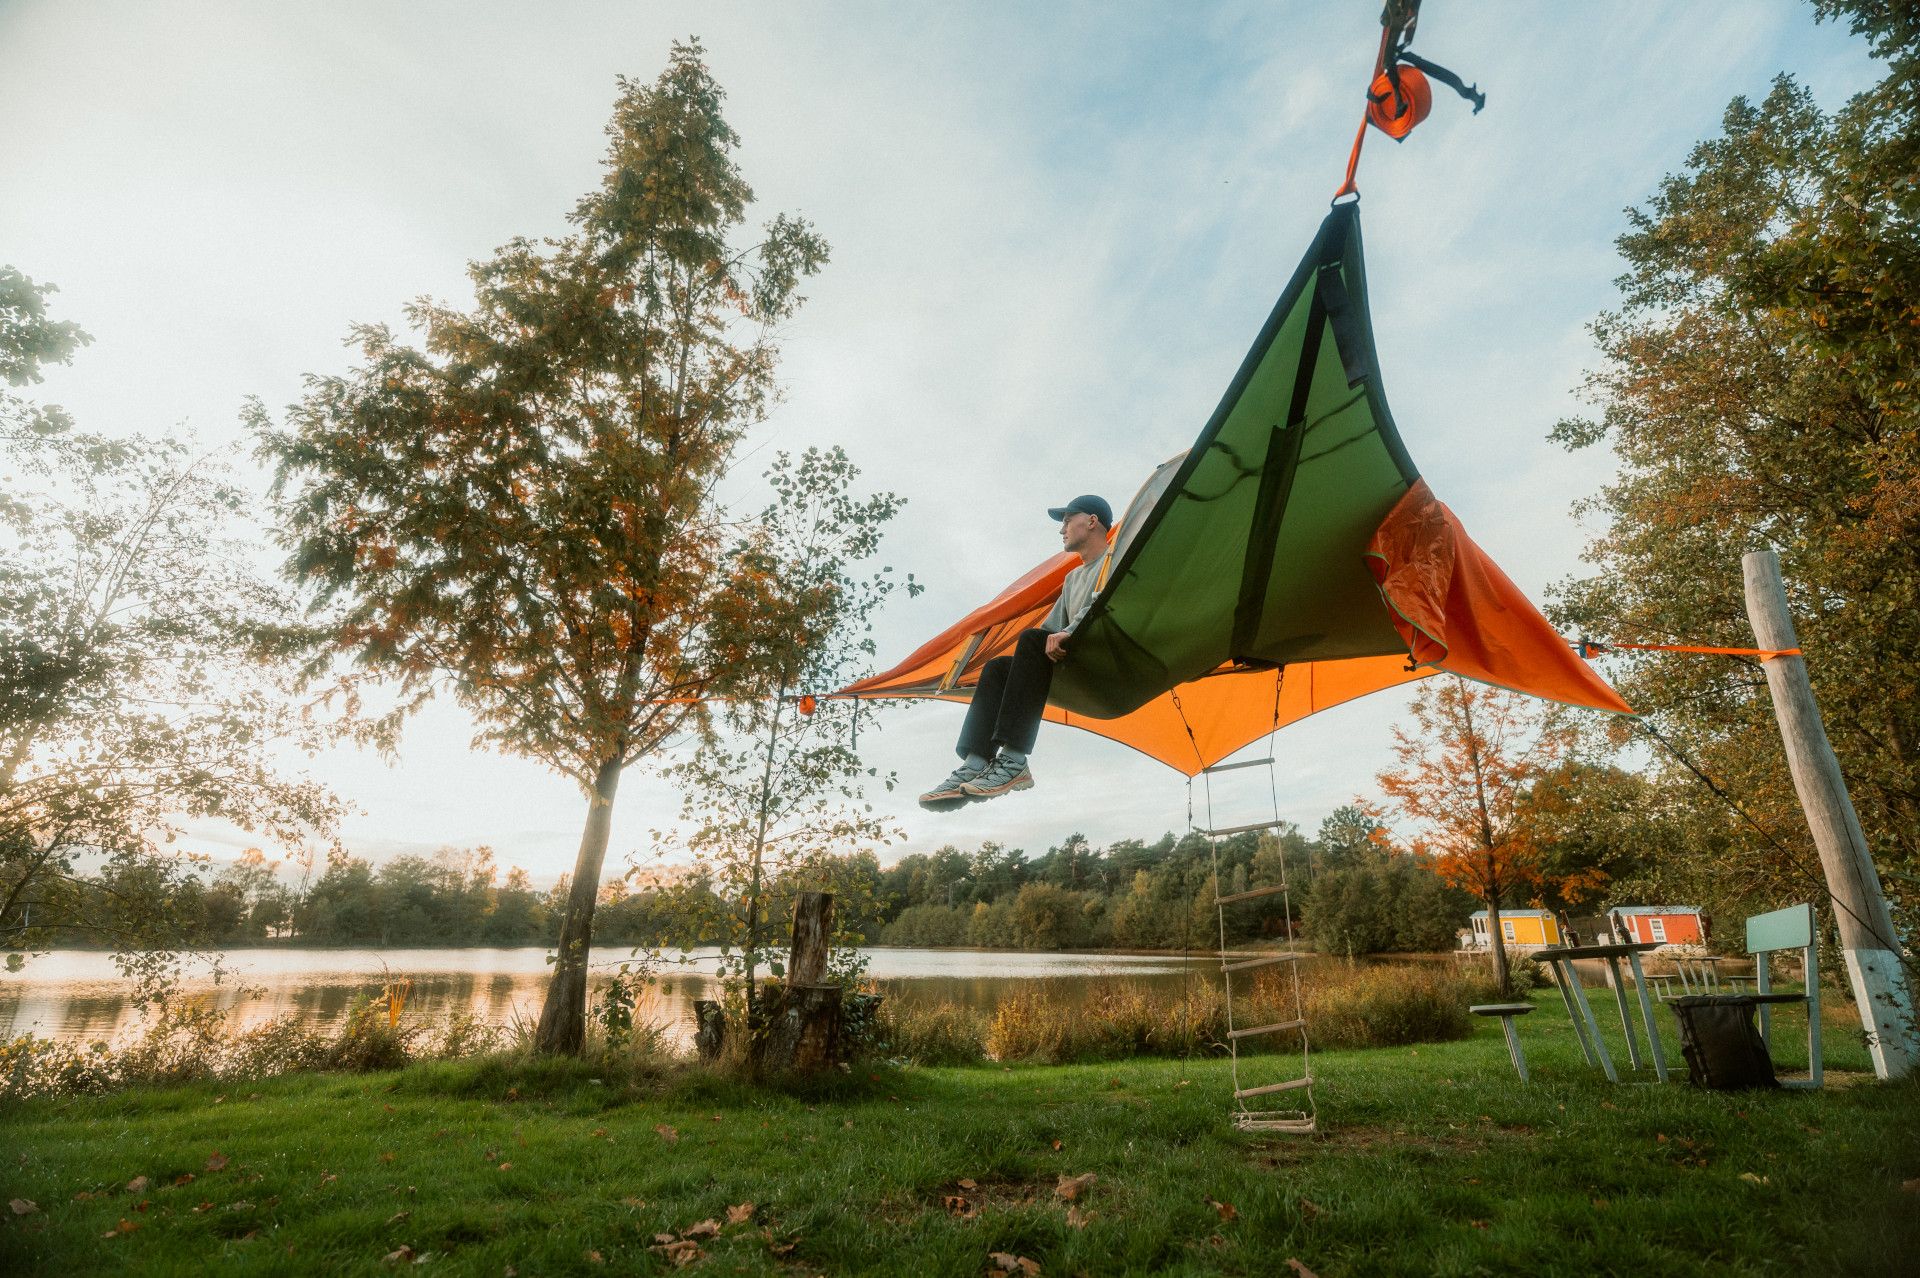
[[1561, 959]]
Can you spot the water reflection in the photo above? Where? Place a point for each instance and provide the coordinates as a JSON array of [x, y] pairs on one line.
[[80, 996]]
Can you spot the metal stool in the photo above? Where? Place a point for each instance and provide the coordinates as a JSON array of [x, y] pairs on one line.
[[1506, 1012]]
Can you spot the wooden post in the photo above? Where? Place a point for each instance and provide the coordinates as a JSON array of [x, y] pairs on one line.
[[1866, 928]]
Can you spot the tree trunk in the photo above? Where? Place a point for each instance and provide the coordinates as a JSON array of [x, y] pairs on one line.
[[563, 1018], [1497, 947]]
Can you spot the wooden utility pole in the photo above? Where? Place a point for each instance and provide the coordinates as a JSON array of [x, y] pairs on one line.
[[1866, 928]]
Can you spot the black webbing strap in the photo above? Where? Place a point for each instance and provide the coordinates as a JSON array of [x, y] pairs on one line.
[[1437, 72], [1276, 485], [1331, 289]]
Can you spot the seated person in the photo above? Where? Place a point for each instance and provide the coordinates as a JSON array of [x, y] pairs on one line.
[[1004, 718]]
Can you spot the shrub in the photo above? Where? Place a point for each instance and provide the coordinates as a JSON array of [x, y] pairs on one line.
[[929, 1033], [1387, 1007]]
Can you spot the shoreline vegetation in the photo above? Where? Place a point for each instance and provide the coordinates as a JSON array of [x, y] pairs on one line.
[[186, 1039], [1429, 1158]]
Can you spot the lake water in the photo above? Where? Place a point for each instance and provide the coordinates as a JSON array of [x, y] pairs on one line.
[[80, 996]]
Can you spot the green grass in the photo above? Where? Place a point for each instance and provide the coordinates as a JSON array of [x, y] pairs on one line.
[[1431, 1159]]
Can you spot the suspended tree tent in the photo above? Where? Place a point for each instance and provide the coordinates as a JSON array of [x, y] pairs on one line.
[[1291, 560]]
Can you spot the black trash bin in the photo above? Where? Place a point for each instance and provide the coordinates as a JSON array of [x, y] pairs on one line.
[[1722, 1045]]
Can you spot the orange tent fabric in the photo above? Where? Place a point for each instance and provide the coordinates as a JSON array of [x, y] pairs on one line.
[[1453, 606]]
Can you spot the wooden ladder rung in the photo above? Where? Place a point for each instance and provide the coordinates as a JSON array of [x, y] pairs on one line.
[[1274, 1028], [1263, 961], [1248, 896], [1235, 767], [1301, 1124], [1243, 829], [1245, 1092]]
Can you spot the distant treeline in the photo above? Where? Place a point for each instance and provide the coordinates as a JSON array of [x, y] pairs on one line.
[[1349, 896]]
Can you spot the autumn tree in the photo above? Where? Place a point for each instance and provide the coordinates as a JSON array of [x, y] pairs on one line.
[[520, 508], [1460, 781], [774, 785], [134, 694], [1759, 389]]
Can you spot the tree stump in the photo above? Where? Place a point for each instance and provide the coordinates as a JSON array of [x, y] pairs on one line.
[[802, 1032]]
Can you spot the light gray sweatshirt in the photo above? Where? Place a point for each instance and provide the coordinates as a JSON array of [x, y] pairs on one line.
[[1076, 596]]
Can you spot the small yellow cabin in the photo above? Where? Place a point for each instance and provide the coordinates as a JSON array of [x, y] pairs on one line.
[[1522, 929]]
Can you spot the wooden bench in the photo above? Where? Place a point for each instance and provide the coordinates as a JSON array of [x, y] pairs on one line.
[[1506, 1012]]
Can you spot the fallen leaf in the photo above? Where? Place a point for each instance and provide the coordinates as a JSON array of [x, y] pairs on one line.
[[595, 1257], [1757, 1180], [598, 1132], [1185, 1082], [242, 1205], [399, 1255], [705, 1229], [184, 1178], [1478, 1224], [137, 1185], [1071, 1187], [124, 1227], [217, 1162], [1660, 1138], [959, 1206], [387, 1157], [1300, 1270], [1601, 1204], [327, 1178], [965, 1183], [83, 1196], [663, 1239], [23, 1206], [398, 1216], [513, 1093], [1227, 1210], [1076, 1219], [847, 1123], [739, 1213], [635, 1203], [667, 1133], [680, 1252], [1911, 1186], [1009, 1263], [1056, 1145], [1309, 1208], [203, 1207], [506, 1166]]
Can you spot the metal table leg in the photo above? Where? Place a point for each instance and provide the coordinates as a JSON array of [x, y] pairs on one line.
[[1646, 1014], [1593, 1026], [1626, 1019], [1563, 977]]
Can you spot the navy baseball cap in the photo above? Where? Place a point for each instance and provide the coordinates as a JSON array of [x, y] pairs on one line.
[[1087, 504]]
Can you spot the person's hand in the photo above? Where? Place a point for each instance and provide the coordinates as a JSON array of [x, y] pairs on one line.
[[1057, 645]]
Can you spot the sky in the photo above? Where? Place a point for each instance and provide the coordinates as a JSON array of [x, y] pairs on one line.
[[1055, 231]]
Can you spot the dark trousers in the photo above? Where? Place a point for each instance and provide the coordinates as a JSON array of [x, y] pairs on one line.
[[1007, 705]]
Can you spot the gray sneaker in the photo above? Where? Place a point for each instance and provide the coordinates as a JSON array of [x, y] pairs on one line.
[[1001, 777], [948, 795]]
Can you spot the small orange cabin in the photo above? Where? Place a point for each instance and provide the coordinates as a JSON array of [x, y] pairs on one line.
[[1659, 924]]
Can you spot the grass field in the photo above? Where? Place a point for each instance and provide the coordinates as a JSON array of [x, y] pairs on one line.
[[1433, 1159]]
